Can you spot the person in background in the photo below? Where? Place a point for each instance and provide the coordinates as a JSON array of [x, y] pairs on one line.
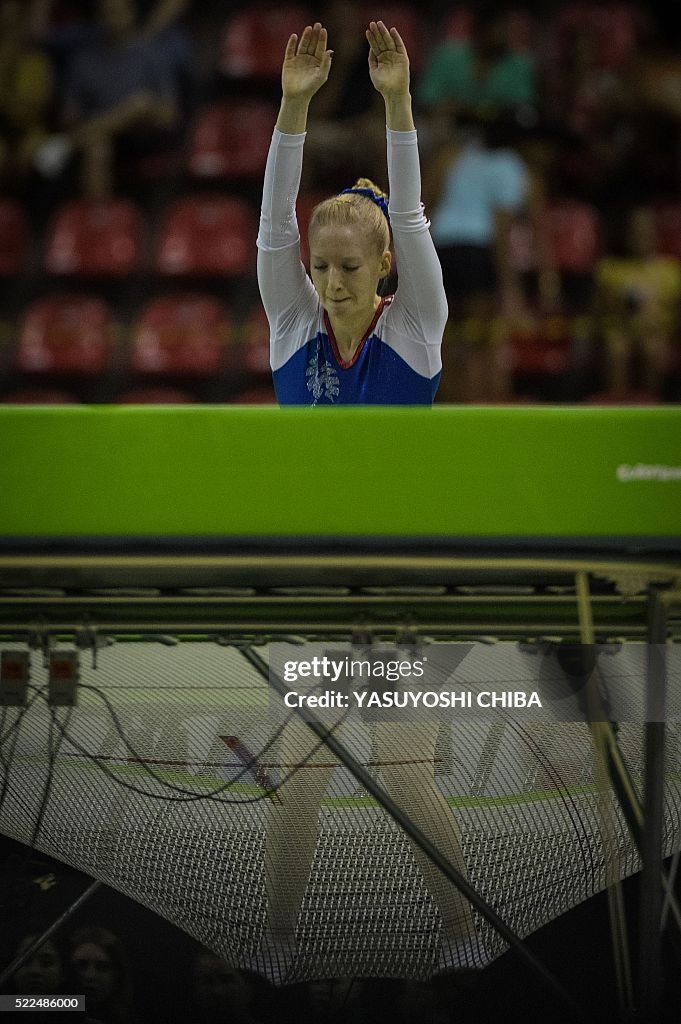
[[26, 96], [222, 995], [479, 75], [122, 97], [42, 973], [637, 294], [101, 970], [476, 189]]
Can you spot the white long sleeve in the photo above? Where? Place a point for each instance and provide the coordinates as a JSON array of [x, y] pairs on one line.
[[286, 291], [420, 295]]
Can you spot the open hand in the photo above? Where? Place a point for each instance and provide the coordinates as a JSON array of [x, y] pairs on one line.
[[388, 60], [307, 63]]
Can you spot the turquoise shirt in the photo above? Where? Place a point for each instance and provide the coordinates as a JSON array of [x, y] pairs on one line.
[[479, 182], [449, 75]]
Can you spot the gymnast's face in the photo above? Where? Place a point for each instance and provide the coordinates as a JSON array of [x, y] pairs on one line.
[[346, 266]]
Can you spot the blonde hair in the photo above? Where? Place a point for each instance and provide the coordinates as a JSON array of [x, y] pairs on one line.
[[355, 208]]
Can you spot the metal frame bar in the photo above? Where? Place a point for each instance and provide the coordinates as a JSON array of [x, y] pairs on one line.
[[51, 930], [650, 915]]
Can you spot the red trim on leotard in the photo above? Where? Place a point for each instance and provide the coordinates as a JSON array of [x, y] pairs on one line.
[[385, 301]]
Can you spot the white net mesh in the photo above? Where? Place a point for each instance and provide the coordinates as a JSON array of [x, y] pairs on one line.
[[176, 781]]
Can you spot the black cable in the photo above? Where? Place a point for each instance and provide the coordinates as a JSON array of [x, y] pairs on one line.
[[53, 750], [16, 729], [187, 796], [22, 712], [247, 768]]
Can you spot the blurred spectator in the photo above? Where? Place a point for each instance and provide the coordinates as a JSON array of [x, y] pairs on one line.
[[337, 1001], [587, 51], [60, 30], [604, 90], [652, 102], [41, 973], [421, 1004], [122, 98], [524, 132], [101, 971], [480, 75], [222, 995], [54, 31], [162, 21], [476, 187], [26, 92], [638, 295]]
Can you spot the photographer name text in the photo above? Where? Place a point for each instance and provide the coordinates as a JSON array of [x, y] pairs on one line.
[[414, 699]]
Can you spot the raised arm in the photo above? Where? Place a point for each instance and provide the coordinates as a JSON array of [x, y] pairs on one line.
[[389, 72], [420, 296], [306, 67], [285, 288]]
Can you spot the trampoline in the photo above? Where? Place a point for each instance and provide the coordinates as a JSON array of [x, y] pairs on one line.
[[167, 552]]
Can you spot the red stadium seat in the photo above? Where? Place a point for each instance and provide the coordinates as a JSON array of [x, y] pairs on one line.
[[66, 334], [668, 229], [207, 236], [255, 39], [613, 28], [213, 152], [575, 235], [542, 347], [14, 236], [95, 239], [617, 33], [180, 335]]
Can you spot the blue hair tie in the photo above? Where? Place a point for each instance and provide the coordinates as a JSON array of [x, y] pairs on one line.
[[370, 194]]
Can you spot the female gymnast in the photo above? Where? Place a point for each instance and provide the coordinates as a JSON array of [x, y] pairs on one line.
[[334, 340]]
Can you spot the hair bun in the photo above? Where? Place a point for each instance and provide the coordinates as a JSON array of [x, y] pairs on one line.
[[372, 186]]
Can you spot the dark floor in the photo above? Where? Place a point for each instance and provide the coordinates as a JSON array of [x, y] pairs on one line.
[[575, 949]]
